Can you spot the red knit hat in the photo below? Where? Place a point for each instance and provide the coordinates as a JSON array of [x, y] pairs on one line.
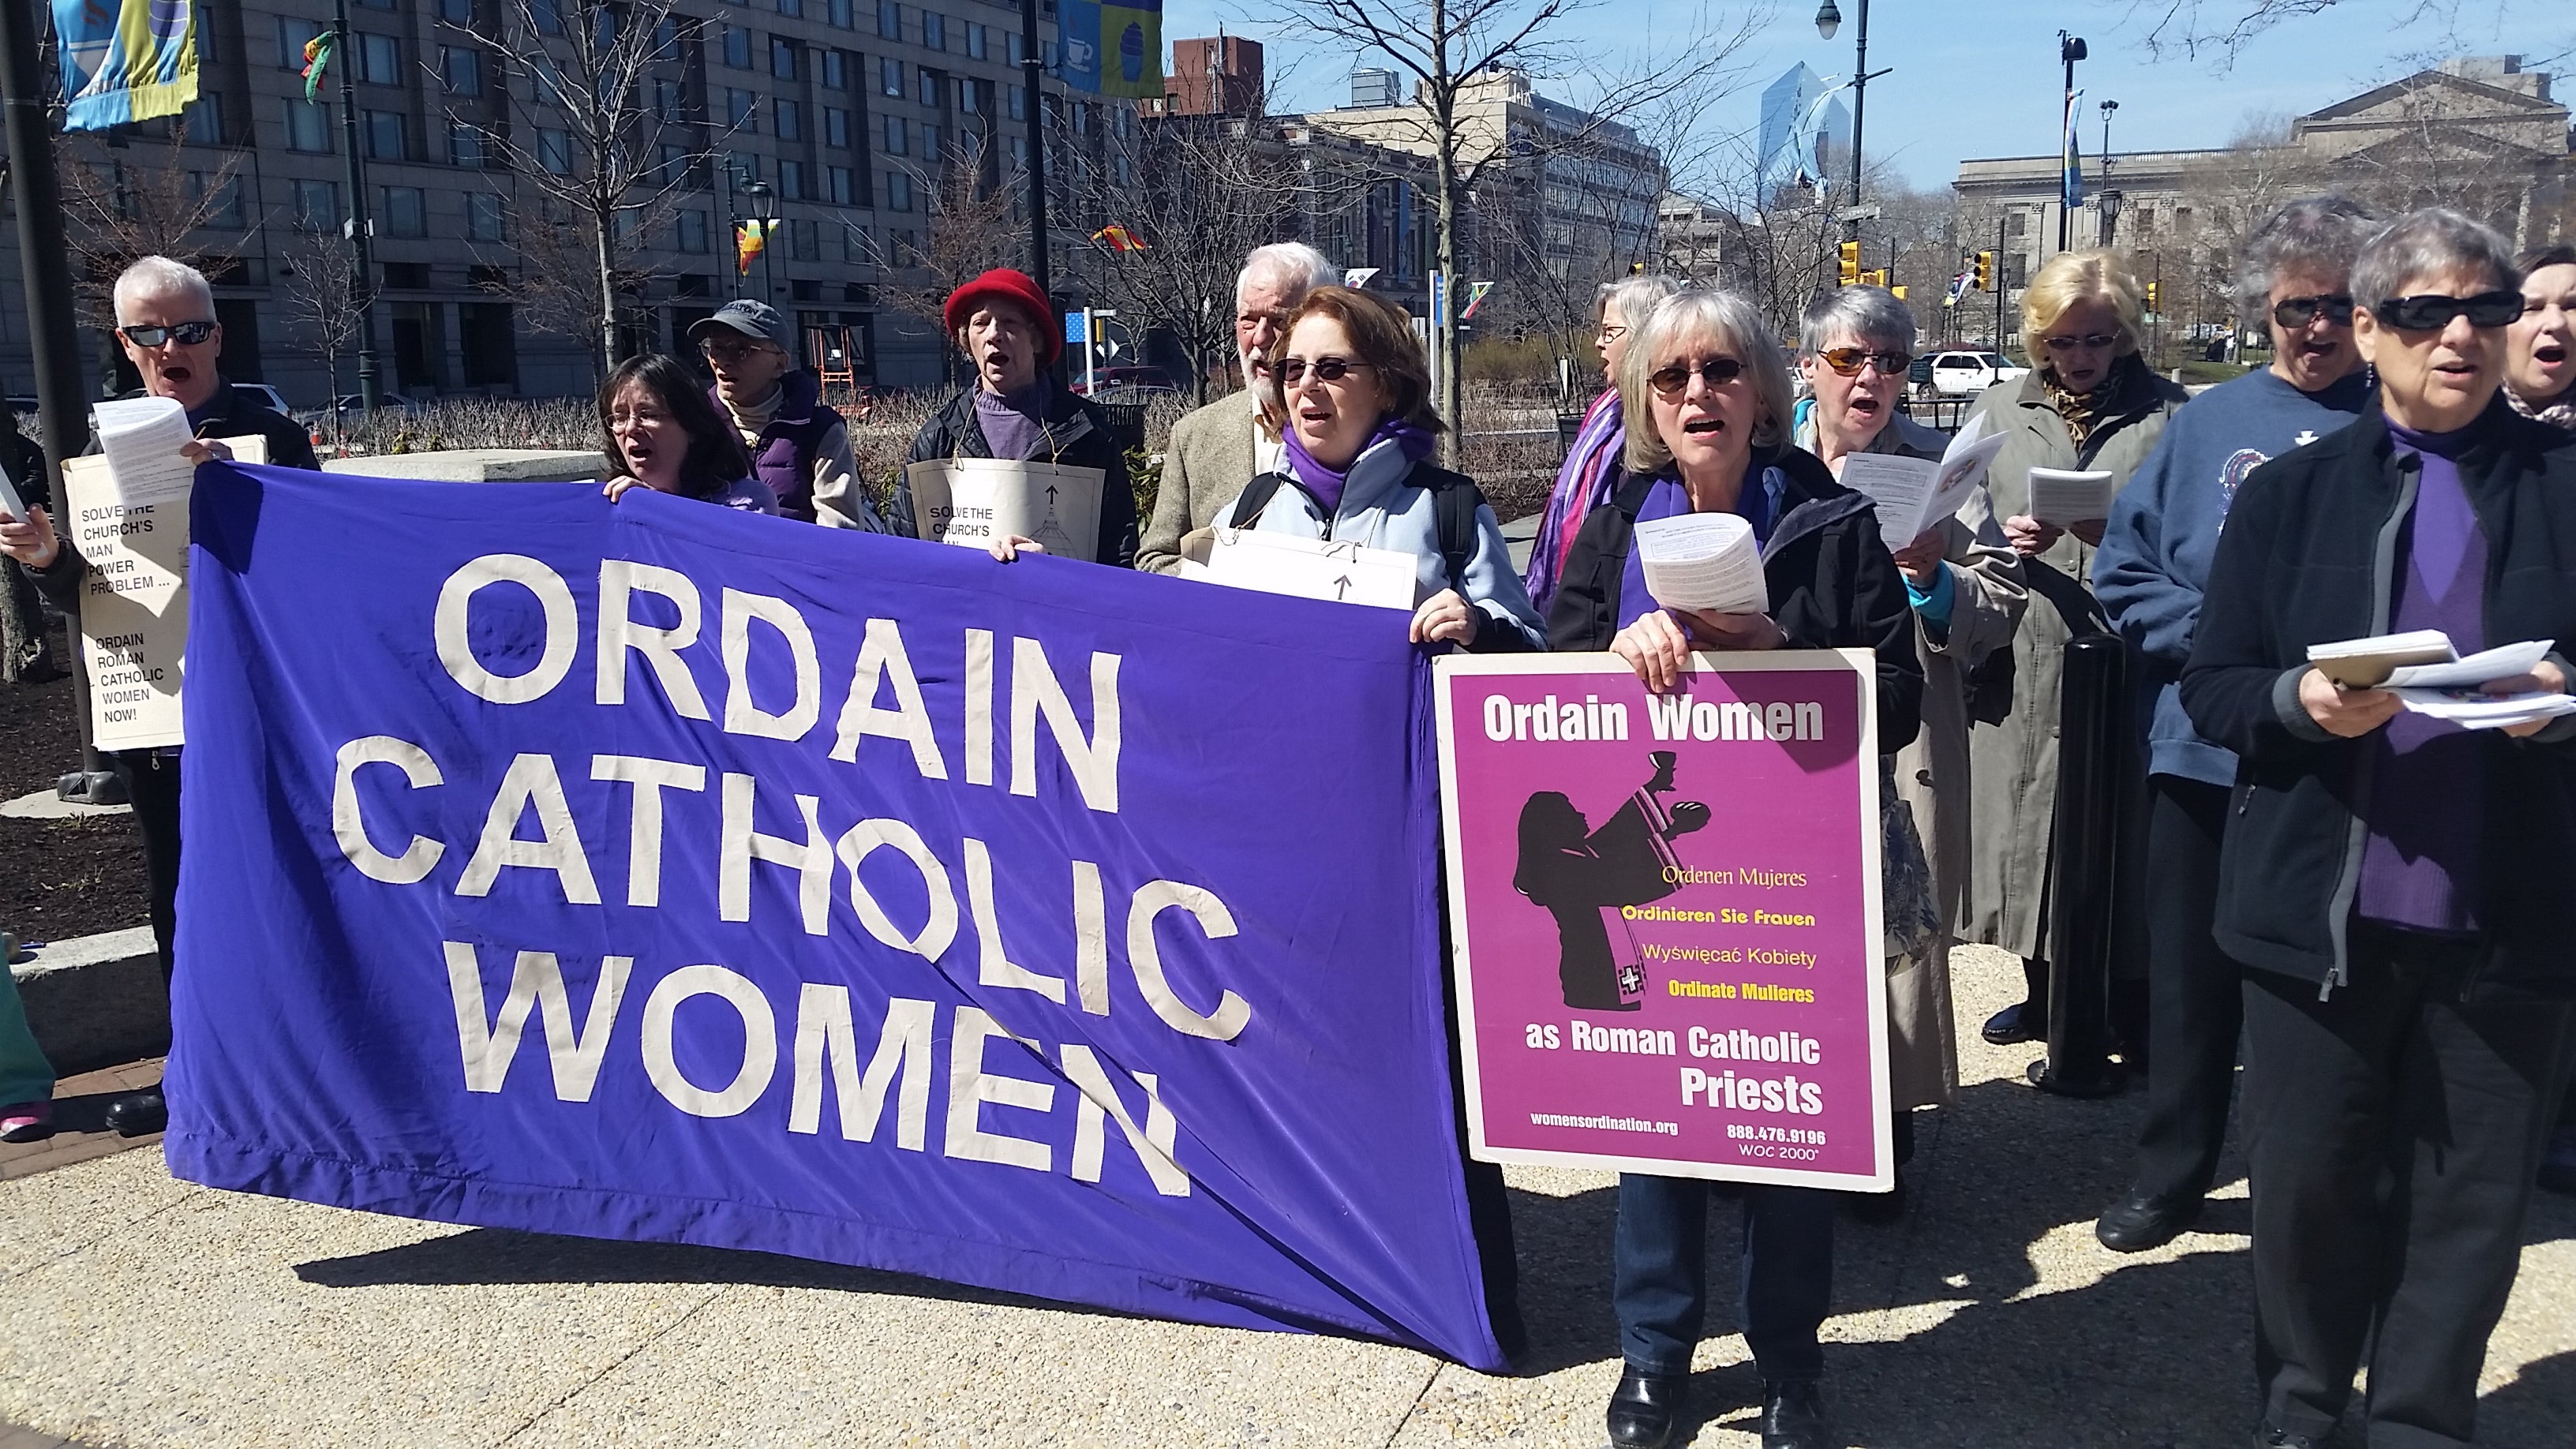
[[1017, 288]]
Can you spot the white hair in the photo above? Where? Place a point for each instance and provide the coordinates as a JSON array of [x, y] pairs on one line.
[[1294, 266], [158, 276]]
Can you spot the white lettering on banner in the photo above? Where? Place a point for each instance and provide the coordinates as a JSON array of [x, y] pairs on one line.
[[562, 628], [1145, 958], [996, 967], [531, 781], [649, 777], [1153, 1146], [940, 929], [536, 980], [979, 706], [742, 715], [1679, 717], [741, 845], [759, 1041], [1092, 762], [619, 580], [1090, 938], [351, 831], [824, 1033], [882, 658], [970, 1087]]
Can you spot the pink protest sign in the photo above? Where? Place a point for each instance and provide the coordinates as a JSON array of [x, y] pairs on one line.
[[1665, 914]]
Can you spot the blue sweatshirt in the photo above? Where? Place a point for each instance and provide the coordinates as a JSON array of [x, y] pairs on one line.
[[2164, 528]]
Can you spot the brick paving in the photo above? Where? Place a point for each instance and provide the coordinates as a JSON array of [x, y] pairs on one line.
[[80, 1109]]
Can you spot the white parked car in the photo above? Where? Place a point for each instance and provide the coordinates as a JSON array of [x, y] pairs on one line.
[[1965, 372], [264, 395]]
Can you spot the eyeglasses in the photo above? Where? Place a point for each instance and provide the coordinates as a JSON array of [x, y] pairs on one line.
[[733, 351], [1672, 379], [2089, 342], [2431, 311], [2298, 312], [622, 419], [1610, 332], [189, 334], [1293, 370], [1848, 360]]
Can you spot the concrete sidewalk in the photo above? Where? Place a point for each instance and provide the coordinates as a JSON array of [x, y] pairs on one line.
[[137, 1311]]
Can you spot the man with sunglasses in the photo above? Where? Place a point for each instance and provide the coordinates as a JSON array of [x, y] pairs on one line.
[[165, 320], [2149, 575]]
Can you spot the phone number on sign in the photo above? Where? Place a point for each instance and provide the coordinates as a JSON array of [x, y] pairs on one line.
[[1803, 1136]]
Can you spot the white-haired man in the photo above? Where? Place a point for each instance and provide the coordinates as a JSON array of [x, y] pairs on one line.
[[165, 320], [1217, 449]]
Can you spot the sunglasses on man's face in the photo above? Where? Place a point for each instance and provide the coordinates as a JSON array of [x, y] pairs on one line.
[[1848, 360], [1673, 379], [2297, 312], [2432, 311], [189, 334]]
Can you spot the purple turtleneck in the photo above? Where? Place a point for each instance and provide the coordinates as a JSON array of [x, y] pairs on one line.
[[1012, 421], [1327, 483]]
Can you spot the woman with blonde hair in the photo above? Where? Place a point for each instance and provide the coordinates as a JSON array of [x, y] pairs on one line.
[[2089, 403]]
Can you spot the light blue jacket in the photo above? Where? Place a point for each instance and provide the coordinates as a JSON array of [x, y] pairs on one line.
[[1380, 509]]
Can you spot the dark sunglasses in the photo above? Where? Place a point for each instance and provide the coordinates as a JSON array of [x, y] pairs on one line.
[[1670, 380], [189, 334], [1293, 370], [2090, 341], [1847, 361], [2431, 311], [2296, 312]]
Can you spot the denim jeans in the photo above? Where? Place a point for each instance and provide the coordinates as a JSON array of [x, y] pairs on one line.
[[1660, 1274]]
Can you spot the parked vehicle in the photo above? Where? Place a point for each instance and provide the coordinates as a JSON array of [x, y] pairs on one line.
[[348, 409], [266, 396], [1127, 379], [1962, 372]]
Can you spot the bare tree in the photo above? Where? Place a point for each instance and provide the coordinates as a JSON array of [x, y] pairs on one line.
[[1449, 48], [972, 224], [145, 200], [326, 300], [605, 129], [2223, 28]]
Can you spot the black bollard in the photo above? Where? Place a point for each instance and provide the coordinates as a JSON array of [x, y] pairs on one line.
[[2085, 849]]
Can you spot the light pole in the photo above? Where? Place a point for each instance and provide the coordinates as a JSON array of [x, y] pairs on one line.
[[2111, 200], [2070, 49], [1828, 20], [2107, 108], [361, 227]]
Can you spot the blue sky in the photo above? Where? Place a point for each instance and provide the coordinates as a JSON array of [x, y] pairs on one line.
[[1983, 79]]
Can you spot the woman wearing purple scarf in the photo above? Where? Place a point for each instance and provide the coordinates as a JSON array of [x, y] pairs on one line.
[[1583, 484], [1359, 431]]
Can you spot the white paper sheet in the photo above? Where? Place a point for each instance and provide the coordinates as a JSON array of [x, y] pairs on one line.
[[2502, 662], [1309, 568], [972, 501], [2060, 497], [2473, 710], [142, 437], [1704, 562], [10, 503]]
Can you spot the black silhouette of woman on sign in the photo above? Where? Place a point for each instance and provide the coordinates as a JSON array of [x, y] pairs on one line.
[[1582, 876]]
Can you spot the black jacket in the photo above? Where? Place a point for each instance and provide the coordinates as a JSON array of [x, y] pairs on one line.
[[1082, 440], [1833, 583], [2309, 556]]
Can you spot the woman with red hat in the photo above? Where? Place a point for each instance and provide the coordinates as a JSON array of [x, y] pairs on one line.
[[1017, 410]]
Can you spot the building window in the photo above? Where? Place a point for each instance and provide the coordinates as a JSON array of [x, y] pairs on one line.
[[482, 216], [203, 120], [379, 59], [789, 119], [836, 127], [456, 12], [554, 151], [461, 66], [979, 42], [838, 181], [889, 19], [1018, 105], [549, 15], [737, 47], [387, 136], [966, 95], [782, 58], [898, 133], [377, 4], [930, 86], [317, 206], [840, 13], [836, 70], [740, 109], [803, 246], [795, 8], [742, 167], [929, 142], [226, 208], [1019, 47], [292, 34], [406, 213], [934, 31], [464, 145], [791, 180], [693, 232], [898, 191], [890, 76], [308, 126]]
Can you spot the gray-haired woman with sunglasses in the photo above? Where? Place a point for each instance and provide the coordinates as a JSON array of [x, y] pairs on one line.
[[2397, 887], [2090, 403]]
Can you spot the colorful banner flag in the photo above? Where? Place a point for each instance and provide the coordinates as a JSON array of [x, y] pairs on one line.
[[1117, 238], [1958, 288], [1112, 49], [125, 60], [2072, 189], [1475, 298], [750, 239], [317, 57], [652, 871]]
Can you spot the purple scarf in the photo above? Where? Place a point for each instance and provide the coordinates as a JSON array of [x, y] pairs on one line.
[[1327, 485], [1582, 485]]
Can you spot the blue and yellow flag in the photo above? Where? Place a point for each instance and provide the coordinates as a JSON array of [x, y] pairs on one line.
[[1112, 49], [125, 60], [2071, 185]]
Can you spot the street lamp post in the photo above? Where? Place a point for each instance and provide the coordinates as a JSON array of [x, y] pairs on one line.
[[1828, 20], [2070, 49], [2111, 200], [361, 226]]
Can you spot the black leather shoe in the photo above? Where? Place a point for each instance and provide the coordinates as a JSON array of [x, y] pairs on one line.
[[1793, 1416], [139, 1115], [1644, 1408], [2015, 1023], [2138, 1222]]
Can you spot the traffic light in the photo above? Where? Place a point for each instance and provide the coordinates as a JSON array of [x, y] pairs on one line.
[[1898, 291], [1985, 271], [2152, 290], [1850, 252]]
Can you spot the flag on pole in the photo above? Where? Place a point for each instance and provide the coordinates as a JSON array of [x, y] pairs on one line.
[[2072, 191], [1958, 289], [1117, 238], [1475, 297], [1111, 47], [750, 239], [125, 60], [317, 56]]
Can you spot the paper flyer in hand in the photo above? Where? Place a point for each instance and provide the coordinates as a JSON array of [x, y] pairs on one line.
[[1310, 568], [2061, 497], [1914, 494], [141, 438], [2369, 663], [1703, 562], [973, 501]]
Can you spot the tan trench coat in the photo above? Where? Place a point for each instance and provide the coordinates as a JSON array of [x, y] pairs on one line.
[[2014, 764], [1932, 774]]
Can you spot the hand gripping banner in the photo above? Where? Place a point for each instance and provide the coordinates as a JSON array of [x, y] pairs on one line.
[[650, 870]]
